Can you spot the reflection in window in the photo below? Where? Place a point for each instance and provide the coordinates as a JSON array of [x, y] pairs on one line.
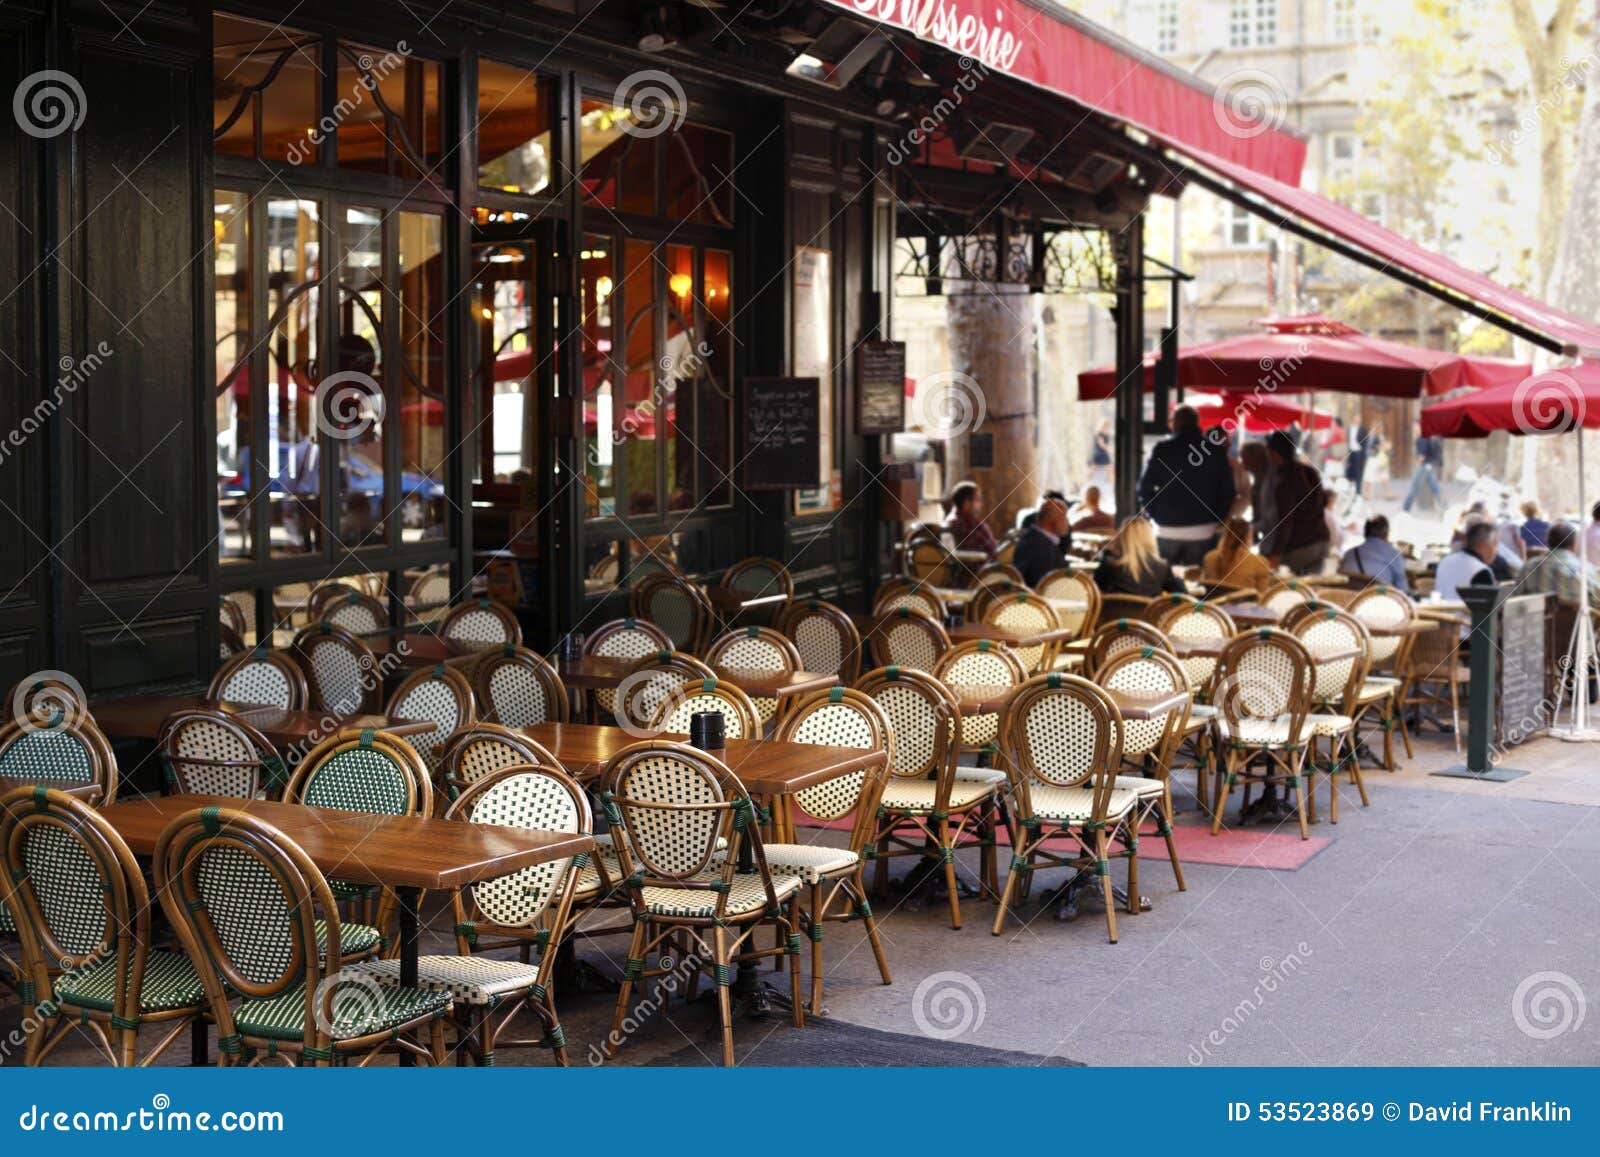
[[618, 166], [514, 143], [294, 272], [422, 313], [231, 310], [354, 410], [266, 89], [388, 112], [502, 310], [597, 297], [635, 422]]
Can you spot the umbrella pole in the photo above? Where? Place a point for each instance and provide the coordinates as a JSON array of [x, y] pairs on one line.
[[1582, 652]]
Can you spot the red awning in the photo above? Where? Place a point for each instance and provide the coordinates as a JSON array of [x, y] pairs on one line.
[[1255, 414], [1551, 402], [1059, 51], [1310, 360], [1326, 220]]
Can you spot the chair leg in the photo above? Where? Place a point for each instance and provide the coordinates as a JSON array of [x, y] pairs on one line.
[[795, 1004], [814, 928], [948, 855], [1103, 866], [1335, 745], [1132, 848], [1296, 767], [871, 922], [1170, 836], [724, 1002], [127, 1047], [1405, 734], [436, 1042], [1011, 884], [625, 993], [1224, 789]]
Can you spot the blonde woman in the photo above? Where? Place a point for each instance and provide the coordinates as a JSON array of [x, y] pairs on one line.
[[1232, 563], [1131, 565]]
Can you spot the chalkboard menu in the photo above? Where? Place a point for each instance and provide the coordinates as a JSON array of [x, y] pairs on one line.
[[881, 387], [1524, 707], [781, 431], [980, 450]]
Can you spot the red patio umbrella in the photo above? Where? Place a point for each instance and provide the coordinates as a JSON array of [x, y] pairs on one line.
[[1310, 354], [1553, 402], [1255, 413]]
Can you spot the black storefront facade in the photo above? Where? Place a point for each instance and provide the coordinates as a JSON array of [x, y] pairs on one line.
[[454, 277]]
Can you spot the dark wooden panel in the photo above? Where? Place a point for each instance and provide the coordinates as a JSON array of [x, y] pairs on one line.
[[21, 654], [138, 452], [147, 652]]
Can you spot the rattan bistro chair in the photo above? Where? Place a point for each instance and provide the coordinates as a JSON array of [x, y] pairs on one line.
[[755, 649], [824, 636], [256, 917], [1115, 606], [833, 876], [1263, 696], [270, 678], [907, 638], [480, 749], [83, 917], [481, 625], [519, 688], [44, 700], [1026, 611], [621, 639], [759, 576], [209, 752], [1379, 606], [439, 695], [339, 669], [677, 606], [1079, 586], [1182, 617], [529, 909], [68, 754], [673, 805], [364, 771], [651, 682], [980, 663], [930, 807], [358, 613], [740, 718], [898, 593], [1061, 744], [1338, 644]]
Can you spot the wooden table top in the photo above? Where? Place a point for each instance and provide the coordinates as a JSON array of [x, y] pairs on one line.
[[1420, 626], [417, 649], [401, 851], [730, 601], [984, 699], [141, 717], [969, 632], [764, 766], [1253, 613], [591, 672], [89, 793]]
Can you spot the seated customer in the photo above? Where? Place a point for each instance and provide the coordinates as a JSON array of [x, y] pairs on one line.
[[1469, 563], [1042, 547], [1087, 515], [1375, 557], [1232, 563], [1132, 565], [964, 508], [1560, 573]]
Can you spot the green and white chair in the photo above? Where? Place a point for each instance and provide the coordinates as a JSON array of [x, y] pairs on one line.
[[673, 804], [261, 676], [257, 918], [209, 752], [519, 688], [72, 755], [621, 639], [677, 606], [755, 649], [83, 917], [651, 682], [480, 749], [529, 910]]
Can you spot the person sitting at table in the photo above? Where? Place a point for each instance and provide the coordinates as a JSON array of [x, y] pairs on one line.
[[1042, 547], [1375, 557], [1560, 572], [1088, 515], [1231, 563], [1131, 563], [1468, 564], [1534, 531], [963, 519]]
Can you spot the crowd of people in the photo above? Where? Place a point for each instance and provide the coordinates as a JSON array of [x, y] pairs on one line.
[[1245, 514]]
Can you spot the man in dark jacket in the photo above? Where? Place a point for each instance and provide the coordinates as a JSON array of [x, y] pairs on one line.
[[1296, 534], [1042, 547], [1187, 489]]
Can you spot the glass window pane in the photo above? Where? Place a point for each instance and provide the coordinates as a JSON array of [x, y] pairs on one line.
[[597, 292], [422, 318], [426, 593], [699, 186], [678, 372], [353, 410], [231, 307], [514, 142], [388, 112], [508, 441], [636, 425], [252, 115], [618, 166], [714, 386], [294, 273]]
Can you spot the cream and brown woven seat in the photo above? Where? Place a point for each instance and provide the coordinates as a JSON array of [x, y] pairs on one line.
[[621, 639], [1061, 743], [980, 663], [270, 678], [439, 695], [478, 626], [755, 649], [907, 638], [1338, 644], [1262, 693], [530, 909], [824, 636], [672, 803], [898, 593], [517, 687], [339, 669], [1379, 606], [1025, 611], [650, 683], [205, 751], [740, 719], [927, 809], [358, 613], [1182, 617]]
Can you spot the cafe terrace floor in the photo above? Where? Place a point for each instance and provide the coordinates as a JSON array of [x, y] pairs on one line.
[[1449, 923]]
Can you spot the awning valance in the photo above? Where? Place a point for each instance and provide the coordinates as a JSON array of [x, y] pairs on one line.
[[1056, 50]]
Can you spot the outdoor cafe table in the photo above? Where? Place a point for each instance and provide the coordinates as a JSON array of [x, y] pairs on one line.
[[415, 649], [969, 632], [983, 699], [406, 853], [728, 601], [141, 717], [1252, 614], [593, 672]]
